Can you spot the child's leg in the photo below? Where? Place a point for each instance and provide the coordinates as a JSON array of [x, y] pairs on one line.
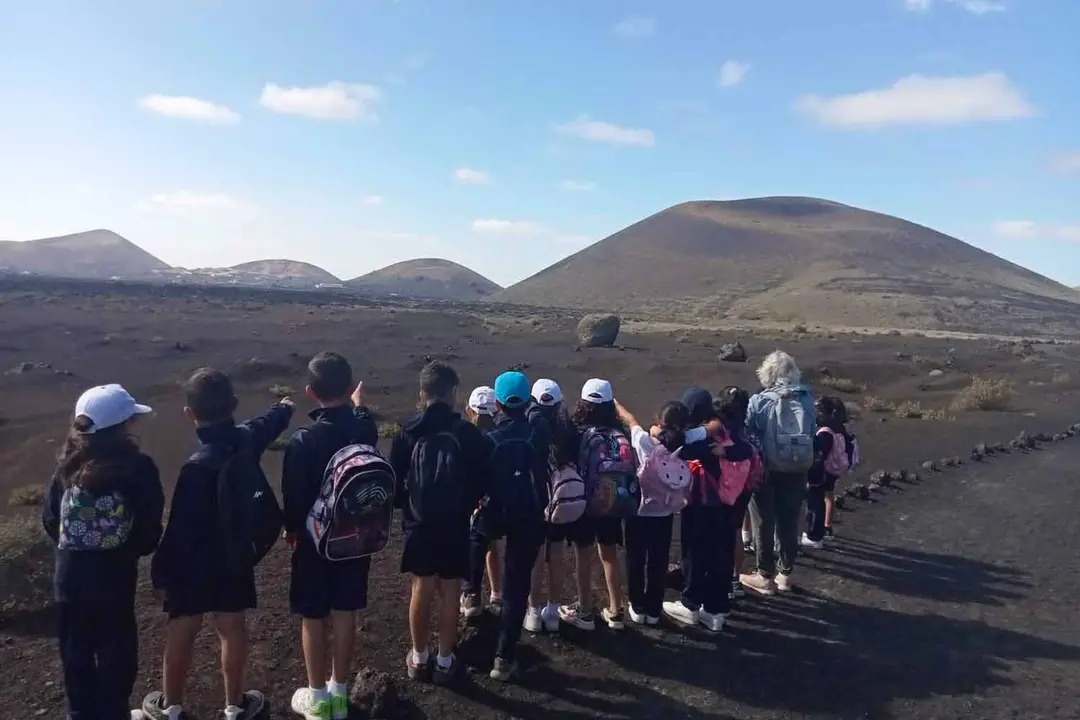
[[830, 502], [583, 577], [448, 615], [740, 547], [313, 642], [556, 568], [344, 624], [179, 646], [609, 558], [232, 632], [117, 647], [659, 552], [637, 552], [720, 531], [423, 593], [78, 630], [520, 553], [536, 581], [495, 552], [478, 552]]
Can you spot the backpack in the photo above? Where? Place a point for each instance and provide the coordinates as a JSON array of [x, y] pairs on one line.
[[352, 516], [248, 512], [741, 469], [609, 470], [89, 521], [787, 444], [837, 462], [665, 480], [853, 454], [514, 494], [435, 482], [566, 491]]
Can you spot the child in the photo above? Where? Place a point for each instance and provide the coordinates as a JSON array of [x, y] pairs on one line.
[[831, 460], [514, 506], [851, 443], [730, 407], [596, 411], [196, 570], [706, 529], [325, 594], [101, 473], [648, 538], [547, 405], [442, 464], [483, 549]]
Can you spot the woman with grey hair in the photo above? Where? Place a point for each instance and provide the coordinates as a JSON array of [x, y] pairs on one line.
[[782, 420]]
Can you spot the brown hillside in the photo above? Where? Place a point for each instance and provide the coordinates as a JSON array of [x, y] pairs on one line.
[[95, 254], [287, 268], [428, 278], [791, 259]]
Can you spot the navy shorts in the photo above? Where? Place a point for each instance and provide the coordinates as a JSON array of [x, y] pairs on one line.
[[436, 553], [318, 586], [593, 531], [226, 596]]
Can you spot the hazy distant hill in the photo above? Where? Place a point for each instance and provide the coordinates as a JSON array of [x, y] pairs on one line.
[[287, 268], [794, 259], [428, 278], [96, 254]]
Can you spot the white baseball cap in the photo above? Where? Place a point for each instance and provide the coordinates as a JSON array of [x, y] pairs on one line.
[[482, 401], [546, 392], [597, 391], [107, 406]]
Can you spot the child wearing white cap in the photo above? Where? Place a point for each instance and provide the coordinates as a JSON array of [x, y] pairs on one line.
[[481, 413], [103, 510]]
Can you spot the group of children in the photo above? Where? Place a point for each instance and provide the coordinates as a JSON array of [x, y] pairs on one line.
[[500, 491]]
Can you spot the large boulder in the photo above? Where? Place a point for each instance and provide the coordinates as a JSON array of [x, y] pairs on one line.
[[732, 352], [598, 330]]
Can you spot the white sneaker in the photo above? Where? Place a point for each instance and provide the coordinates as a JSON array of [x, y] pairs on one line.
[[636, 617], [680, 613], [550, 616], [312, 704], [339, 700], [714, 622], [807, 543], [534, 620], [758, 583], [652, 620], [783, 582]]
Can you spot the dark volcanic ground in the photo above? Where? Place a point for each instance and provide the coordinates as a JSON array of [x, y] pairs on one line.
[[945, 598]]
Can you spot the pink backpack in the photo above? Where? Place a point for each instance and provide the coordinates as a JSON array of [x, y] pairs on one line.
[[837, 461], [741, 469], [665, 483]]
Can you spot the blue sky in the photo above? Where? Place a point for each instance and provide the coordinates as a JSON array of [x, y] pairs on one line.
[[505, 135]]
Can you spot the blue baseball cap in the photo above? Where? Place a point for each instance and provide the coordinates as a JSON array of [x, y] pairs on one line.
[[512, 389]]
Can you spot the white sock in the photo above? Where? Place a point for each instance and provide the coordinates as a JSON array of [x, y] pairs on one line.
[[445, 662], [338, 688], [495, 597], [173, 712], [320, 693], [419, 658], [747, 536]]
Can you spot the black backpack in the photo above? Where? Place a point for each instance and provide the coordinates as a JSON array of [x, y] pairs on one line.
[[248, 512], [436, 480], [514, 494]]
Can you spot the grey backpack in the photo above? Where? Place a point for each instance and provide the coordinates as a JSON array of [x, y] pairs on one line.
[[788, 441]]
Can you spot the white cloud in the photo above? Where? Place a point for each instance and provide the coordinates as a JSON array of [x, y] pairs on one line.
[[577, 185], [188, 201], [921, 100], [732, 73], [1066, 163], [470, 176], [1032, 230], [189, 108], [635, 27], [333, 101], [975, 7], [372, 200], [509, 228], [586, 128], [84, 190]]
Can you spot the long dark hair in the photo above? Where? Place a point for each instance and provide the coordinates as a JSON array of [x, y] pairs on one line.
[[731, 406], [89, 459], [673, 420], [601, 415], [831, 412]]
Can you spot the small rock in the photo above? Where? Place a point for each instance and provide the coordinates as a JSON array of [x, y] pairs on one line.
[[839, 501], [876, 488], [859, 491], [732, 352], [957, 461], [976, 456], [596, 330], [929, 465], [878, 477], [913, 477], [981, 449], [376, 692], [936, 373], [945, 462], [1058, 437], [895, 476]]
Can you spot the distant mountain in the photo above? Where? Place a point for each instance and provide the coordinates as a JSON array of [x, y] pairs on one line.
[[95, 254], [287, 268], [425, 278], [805, 260]]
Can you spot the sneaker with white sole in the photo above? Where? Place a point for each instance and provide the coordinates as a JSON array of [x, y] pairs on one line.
[[577, 616], [504, 670], [339, 700], [713, 621], [758, 583], [652, 620], [680, 613], [638, 618], [807, 544], [470, 606], [312, 704], [737, 590], [783, 583], [495, 604], [534, 620], [153, 707], [550, 617], [614, 620]]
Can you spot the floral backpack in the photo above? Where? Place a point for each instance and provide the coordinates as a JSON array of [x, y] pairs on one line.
[[89, 521]]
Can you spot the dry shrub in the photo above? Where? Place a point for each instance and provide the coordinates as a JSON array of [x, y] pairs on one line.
[[915, 411], [1060, 378], [27, 496], [842, 384], [18, 533], [389, 431], [876, 404], [281, 391], [985, 394]]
